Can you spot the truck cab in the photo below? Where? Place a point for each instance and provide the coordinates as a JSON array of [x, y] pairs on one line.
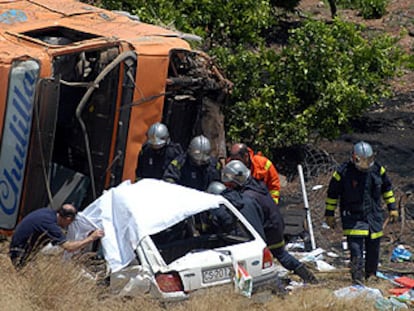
[[80, 86]]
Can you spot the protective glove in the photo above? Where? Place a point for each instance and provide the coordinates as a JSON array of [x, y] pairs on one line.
[[330, 221], [393, 215]]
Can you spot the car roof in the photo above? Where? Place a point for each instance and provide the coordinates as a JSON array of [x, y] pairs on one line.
[[154, 205], [131, 211]]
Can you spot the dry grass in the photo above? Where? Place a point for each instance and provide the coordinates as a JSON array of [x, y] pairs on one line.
[[50, 284]]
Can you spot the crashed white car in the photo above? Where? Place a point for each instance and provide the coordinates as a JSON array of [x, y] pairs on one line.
[[170, 240]]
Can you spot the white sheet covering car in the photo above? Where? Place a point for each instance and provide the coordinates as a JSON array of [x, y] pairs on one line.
[[169, 240]]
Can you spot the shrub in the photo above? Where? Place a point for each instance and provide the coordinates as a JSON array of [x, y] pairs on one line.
[[325, 76], [369, 9], [218, 22]]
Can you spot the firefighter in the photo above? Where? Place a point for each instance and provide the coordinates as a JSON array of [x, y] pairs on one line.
[[247, 206], [237, 176], [358, 185], [157, 152], [195, 168], [261, 168]]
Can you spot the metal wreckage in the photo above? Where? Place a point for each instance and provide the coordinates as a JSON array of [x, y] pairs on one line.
[[80, 87]]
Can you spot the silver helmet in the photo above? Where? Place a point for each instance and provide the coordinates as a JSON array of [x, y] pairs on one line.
[[363, 156], [236, 172], [199, 150], [158, 135], [216, 187]]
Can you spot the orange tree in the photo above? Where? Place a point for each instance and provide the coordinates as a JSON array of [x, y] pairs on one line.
[[312, 87]]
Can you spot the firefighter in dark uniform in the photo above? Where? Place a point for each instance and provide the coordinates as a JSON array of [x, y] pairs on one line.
[[247, 206], [157, 152], [237, 176], [358, 185], [195, 168]]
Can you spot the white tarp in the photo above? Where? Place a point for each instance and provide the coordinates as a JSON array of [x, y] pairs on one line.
[[131, 211]]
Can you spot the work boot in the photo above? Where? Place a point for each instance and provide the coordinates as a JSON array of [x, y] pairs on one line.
[[357, 278], [356, 272], [306, 275]]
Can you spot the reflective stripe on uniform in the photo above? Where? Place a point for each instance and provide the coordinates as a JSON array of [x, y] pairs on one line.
[[331, 201], [389, 197], [330, 204], [267, 165], [274, 193], [390, 200], [330, 207], [382, 170], [176, 164], [376, 235], [336, 176], [356, 232], [276, 245]]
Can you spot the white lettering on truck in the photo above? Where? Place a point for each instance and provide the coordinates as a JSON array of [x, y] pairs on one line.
[[15, 140]]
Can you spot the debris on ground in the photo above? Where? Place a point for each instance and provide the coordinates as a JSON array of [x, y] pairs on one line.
[[400, 254], [392, 304], [354, 291]]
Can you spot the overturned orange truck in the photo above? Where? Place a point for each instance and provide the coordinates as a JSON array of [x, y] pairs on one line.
[[79, 87]]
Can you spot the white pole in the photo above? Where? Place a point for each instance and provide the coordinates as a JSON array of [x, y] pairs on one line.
[[305, 201]]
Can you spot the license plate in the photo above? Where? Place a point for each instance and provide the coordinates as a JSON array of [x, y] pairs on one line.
[[217, 274]]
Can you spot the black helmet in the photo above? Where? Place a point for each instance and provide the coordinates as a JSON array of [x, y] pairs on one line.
[[362, 156], [236, 172], [158, 135], [199, 150], [216, 187]]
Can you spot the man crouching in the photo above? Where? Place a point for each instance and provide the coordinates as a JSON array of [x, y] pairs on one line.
[[43, 226]]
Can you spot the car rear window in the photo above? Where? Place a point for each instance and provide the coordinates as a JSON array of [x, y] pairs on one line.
[[210, 229]]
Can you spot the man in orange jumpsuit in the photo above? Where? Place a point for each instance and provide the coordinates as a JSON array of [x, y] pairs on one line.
[[261, 168]]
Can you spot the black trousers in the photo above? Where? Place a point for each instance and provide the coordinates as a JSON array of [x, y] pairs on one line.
[[285, 258], [18, 257], [357, 245]]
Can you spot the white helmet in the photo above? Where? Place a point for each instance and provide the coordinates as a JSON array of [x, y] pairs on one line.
[[199, 150], [362, 156], [158, 135], [235, 171]]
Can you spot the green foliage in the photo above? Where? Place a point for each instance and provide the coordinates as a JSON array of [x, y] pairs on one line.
[[369, 9], [218, 22], [325, 76], [410, 61]]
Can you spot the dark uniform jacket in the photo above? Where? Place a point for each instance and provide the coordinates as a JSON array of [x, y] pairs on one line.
[[153, 163], [184, 172], [273, 221], [359, 196], [248, 207]]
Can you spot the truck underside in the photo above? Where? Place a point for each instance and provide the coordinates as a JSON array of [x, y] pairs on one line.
[[82, 134]]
